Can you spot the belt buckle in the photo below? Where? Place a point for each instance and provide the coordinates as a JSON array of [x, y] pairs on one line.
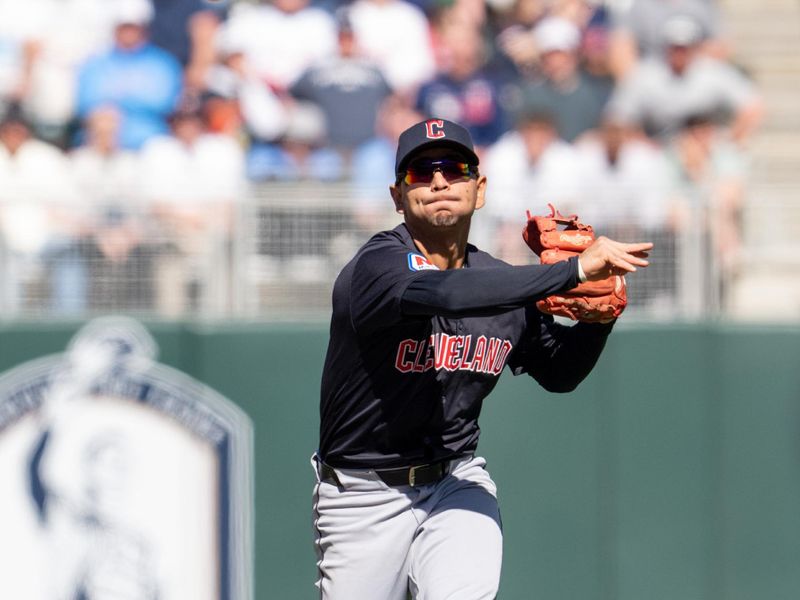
[[412, 474]]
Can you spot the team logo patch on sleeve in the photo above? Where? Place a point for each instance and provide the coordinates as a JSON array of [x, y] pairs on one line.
[[417, 262]]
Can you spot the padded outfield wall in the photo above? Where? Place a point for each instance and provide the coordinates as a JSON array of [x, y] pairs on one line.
[[673, 472]]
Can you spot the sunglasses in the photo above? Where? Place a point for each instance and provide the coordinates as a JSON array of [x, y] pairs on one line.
[[422, 170]]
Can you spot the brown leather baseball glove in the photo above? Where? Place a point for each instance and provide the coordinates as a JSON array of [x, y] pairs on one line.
[[556, 237]]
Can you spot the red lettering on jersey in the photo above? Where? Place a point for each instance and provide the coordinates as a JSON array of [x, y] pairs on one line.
[[491, 355], [451, 353], [434, 129], [439, 351], [429, 362], [500, 361], [507, 348], [419, 365], [480, 350], [402, 363], [466, 365]]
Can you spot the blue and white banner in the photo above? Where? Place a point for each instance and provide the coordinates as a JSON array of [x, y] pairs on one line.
[[121, 478]]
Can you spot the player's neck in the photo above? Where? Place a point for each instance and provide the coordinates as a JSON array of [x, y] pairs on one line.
[[445, 251]]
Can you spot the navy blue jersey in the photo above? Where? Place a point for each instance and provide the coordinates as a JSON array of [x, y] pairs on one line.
[[414, 350]]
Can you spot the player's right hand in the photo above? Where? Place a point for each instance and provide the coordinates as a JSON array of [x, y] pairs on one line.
[[606, 257]]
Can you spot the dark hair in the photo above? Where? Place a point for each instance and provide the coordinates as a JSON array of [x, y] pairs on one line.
[[699, 119], [14, 114], [344, 23], [189, 107]]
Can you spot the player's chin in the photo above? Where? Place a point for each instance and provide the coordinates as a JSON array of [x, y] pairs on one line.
[[444, 219]]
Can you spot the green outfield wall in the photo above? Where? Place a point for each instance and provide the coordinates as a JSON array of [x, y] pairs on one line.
[[672, 473]]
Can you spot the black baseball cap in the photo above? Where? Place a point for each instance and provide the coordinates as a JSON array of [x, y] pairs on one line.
[[431, 133]]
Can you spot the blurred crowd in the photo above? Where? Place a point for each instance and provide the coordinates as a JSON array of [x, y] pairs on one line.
[[128, 121]]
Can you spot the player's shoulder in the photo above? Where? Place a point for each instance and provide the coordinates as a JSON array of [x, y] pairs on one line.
[[385, 259], [390, 239], [377, 248]]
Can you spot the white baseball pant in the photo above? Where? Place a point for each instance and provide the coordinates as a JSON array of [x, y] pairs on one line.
[[441, 541]]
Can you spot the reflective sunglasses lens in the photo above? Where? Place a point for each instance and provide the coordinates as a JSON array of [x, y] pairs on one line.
[[422, 171]]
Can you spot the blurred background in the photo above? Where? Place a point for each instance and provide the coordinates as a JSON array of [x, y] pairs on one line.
[[223, 159], [208, 166]]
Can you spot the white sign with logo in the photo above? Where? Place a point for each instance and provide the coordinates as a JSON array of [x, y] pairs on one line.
[[121, 478]]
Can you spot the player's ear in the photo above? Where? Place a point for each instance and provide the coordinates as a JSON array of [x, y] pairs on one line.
[[481, 192], [397, 197]]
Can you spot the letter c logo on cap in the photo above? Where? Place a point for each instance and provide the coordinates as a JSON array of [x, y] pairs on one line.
[[434, 129]]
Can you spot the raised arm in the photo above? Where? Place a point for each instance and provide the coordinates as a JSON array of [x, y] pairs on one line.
[[481, 291]]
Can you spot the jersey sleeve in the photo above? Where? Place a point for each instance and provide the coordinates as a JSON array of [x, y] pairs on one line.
[[475, 292], [390, 283], [381, 274], [558, 356]]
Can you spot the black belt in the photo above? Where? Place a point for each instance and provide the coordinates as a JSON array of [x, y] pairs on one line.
[[413, 476]]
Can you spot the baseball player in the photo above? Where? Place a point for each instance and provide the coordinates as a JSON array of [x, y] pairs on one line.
[[423, 324]]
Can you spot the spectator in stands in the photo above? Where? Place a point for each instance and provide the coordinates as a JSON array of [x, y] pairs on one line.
[[43, 43], [191, 182], [237, 88], [579, 12], [637, 30], [464, 91], [16, 31], [300, 154], [663, 92], [187, 30], [529, 167], [348, 88], [460, 13], [515, 25], [105, 174], [396, 35], [625, 195], [115, 245], [281, 39], [38, 223], [140, 80], [297, 240], [623, 181], [594, 51], [450, 19], [373, 161], [514, 34], [224, 115], [707, 176], [575, 100]]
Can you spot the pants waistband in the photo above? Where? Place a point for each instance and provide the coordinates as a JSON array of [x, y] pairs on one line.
[[413, 476]]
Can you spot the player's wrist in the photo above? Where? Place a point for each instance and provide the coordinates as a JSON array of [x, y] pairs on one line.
[[581, 274]]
